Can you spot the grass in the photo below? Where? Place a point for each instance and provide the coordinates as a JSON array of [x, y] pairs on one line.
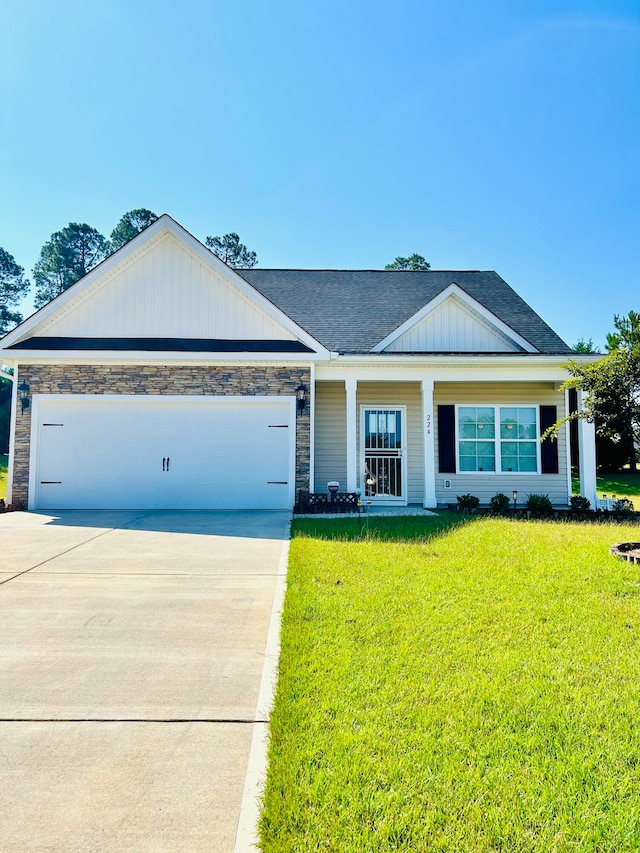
[[4, 462], [621, 485], [456, 685]]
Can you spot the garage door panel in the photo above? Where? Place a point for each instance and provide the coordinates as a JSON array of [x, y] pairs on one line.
[[156, 454]]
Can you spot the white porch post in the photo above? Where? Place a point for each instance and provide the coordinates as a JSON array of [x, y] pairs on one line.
[[567, 433], [351, 388], [426, 386], [587, 450]]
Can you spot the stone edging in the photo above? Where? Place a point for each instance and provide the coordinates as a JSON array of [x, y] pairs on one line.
[[629, 551]]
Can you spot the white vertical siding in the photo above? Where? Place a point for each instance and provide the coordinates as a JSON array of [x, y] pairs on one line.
[[452, 327], [165, 291], [486, 485]]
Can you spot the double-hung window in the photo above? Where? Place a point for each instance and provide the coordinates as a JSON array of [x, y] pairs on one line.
[[498, 439]]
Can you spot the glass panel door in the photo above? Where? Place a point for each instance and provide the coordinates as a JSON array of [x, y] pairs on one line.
[[383, 446]]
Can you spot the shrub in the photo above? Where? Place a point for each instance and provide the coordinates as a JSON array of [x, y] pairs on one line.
[[623, 508], [500, 503], [539, 504], [468, 502], [580, 504]]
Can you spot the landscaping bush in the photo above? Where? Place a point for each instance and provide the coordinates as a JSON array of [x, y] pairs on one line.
[[468, 502], [623, 508], [539, 504], [580, 504], [500, 504]]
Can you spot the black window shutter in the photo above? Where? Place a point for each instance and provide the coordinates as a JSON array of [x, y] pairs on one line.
[[549, 449], [447, 439]]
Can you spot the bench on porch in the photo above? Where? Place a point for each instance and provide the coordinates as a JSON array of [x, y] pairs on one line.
[[321, 502]]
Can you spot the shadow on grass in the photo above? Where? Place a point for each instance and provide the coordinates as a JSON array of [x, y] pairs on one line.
[[385, 529], [419, 529]]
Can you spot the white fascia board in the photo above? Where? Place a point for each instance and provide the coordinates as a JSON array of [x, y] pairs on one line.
[[133, 357], [542, 368], [455, 290], [164, 222]]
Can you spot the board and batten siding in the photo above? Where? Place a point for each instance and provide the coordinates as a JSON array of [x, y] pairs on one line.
[[452, 327], [331, 431], [164, 291], [486, 485]]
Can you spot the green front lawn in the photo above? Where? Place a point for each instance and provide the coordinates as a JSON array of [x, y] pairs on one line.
[[456, 685], [621, 485], [4, 461]]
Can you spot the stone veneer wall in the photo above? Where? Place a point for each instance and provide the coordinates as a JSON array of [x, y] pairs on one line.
[[158, 379]]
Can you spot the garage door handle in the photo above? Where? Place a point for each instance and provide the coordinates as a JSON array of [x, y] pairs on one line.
[[165, 463], [168, 461]]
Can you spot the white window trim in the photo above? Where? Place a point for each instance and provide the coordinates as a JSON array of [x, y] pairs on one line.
[[499, 472]]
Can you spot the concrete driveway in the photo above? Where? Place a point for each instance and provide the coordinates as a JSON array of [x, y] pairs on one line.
[[137, 658]]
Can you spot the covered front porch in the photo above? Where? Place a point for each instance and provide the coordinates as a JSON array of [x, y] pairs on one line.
[[382, 432]]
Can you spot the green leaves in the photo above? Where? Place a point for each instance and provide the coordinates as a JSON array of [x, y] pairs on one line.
[[13, 286], [65, 258], [230, 250], [413, 262], [130, 225]]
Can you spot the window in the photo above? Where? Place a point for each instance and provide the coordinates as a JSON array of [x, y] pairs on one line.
[[500, 439]]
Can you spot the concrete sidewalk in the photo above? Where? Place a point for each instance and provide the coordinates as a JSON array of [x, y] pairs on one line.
[[133, 679]]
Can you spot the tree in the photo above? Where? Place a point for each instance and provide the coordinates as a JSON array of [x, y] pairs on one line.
[[13, 285], [583, 346], [612, 388], [66, 257], [627, 334], [230, 250], [131, 224], [413, 262]]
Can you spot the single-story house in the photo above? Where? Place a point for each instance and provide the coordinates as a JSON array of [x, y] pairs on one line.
[[166, 379]]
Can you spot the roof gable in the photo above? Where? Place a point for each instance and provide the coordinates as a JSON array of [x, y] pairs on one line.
[[454, 322], [162, 285], [352, 311]]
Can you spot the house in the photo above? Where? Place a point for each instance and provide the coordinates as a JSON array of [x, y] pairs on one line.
[[164, 378]]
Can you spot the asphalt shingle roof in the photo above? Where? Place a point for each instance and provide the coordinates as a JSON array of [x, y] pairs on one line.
[[350, 311]]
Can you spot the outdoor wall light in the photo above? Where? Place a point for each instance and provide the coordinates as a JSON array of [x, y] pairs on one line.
[[301, 397], [24, 389], [515, 498]]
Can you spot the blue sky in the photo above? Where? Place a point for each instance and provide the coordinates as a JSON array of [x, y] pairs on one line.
[[501, 134]]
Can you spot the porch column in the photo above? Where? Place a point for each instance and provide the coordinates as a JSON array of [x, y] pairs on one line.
[[351, 387], [587, 451], [426, 386], [567, 434]]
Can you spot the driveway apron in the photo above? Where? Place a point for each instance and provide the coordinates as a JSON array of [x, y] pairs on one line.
[[132, 677]]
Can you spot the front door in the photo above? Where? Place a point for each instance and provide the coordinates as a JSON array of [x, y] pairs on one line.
[[383, 460]]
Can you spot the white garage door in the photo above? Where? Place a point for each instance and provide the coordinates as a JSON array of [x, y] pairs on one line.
[[105, 452]]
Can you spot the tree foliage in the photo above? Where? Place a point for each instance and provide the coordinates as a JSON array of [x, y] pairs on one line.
[[130, 225], [611, 387], [584, 346], [66, 257], [13, 286], [413, 262], [230, 250]]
